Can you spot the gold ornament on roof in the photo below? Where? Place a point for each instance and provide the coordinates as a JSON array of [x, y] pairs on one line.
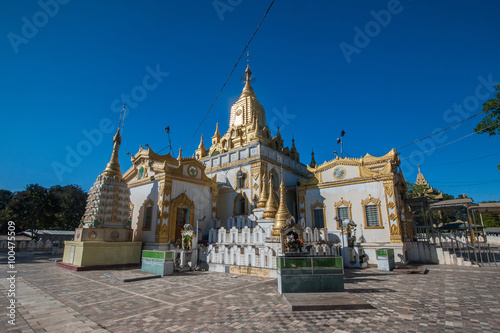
[[271, 205], [283, 214], [263, 192]]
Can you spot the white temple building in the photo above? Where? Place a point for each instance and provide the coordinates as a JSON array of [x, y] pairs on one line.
[[248, 184]]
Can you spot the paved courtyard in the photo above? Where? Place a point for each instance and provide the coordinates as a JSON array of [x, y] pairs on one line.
[[53, 299]]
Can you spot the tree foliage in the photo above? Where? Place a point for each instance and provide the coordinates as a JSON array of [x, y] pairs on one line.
[[491, 121], [59, 207]]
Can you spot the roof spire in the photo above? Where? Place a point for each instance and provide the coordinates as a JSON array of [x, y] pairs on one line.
[[247, 89], [113, 166], [179, 158], [217, 133], [313, 162]]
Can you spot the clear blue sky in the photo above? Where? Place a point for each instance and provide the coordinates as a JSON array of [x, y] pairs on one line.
[[64, 69]]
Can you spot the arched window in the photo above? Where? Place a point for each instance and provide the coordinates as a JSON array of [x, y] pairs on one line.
[[371, 212], [241, 204], [147, 217], [343, 211], [241, 179], [318, 215]]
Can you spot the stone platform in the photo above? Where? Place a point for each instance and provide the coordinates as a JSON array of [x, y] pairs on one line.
[[51, 299], [325, 301]]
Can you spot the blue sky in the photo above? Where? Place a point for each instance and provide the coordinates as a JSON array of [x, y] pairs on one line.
[[386, 72]]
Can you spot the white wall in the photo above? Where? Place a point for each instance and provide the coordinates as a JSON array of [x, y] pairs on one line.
[[138, 196], [355, 194]]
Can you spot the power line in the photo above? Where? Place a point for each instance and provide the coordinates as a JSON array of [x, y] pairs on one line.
[[447, 128], [487, 182], [230, 74], [456, 162], [449, 143], [468, 182]]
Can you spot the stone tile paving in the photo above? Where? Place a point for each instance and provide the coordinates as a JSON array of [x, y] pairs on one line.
[[447, 299]]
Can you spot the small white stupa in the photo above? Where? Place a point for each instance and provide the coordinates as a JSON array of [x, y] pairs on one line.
[[104, 237]]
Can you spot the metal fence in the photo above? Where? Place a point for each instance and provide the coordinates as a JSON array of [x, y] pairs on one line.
[[481, 254]]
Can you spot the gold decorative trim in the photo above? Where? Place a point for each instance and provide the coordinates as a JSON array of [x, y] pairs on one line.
[[182, 201], [391, 205], [395, 234], [343, 175], [315, 205], [250, 159], [392, 217], [353, 181], [376, 202], [389, 190], [341, 203]]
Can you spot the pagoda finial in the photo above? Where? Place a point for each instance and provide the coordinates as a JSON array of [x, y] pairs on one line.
[[217, 133], [113, 166], [179, 158], [247, 89], [313, 162]]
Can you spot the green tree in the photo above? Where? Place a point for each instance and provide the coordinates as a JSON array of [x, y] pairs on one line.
[[31, 208], [5, 197], [68, 204], [491, 121]]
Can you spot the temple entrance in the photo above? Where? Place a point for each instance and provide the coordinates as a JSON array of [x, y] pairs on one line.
[[182, 218]]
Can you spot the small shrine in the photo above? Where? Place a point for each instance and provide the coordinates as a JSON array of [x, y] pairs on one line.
[[104, 237]]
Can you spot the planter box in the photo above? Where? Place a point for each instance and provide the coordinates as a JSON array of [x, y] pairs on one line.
[[385, 259], [158, 262]]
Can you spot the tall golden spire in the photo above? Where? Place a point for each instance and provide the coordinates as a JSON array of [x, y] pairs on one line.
[[263, 192], [113, 166], [282, 214], [247, 89], [271, 205]]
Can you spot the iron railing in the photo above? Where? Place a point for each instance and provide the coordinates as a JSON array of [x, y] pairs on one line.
[[481, 254]]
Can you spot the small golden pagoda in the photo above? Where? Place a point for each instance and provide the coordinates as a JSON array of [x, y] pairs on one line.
[[271, 205], [263, 192], [282, 214]]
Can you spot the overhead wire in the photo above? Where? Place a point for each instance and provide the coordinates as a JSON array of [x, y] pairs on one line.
[[440, 131], [449, 143], [456, 162], [230, 74]]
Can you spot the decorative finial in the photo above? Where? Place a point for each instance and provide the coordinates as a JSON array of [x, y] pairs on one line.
[[179, 158], [248, 58]]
